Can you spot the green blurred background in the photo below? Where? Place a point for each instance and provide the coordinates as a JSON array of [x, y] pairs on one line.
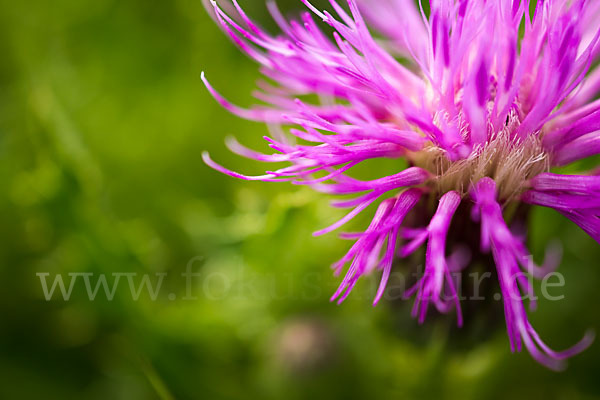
[[103, 119]]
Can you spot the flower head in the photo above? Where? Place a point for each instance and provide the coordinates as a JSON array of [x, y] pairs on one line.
[[489, 97]]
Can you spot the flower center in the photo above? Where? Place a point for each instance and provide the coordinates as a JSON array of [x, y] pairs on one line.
[[507, 159]]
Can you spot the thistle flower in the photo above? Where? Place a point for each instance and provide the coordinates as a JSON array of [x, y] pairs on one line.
[[489, 97]]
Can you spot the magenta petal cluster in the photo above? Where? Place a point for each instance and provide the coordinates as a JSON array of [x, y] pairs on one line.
[[480, 98]]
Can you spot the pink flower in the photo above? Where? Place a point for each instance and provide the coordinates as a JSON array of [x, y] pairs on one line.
[[480, 111]]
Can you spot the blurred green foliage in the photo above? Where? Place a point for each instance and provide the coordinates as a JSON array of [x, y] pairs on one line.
[[103, 119]]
